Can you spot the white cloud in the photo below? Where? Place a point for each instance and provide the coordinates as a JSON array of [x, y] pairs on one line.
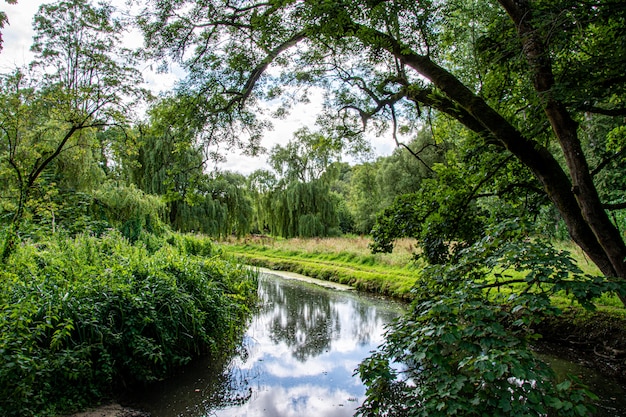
[[18, 34]]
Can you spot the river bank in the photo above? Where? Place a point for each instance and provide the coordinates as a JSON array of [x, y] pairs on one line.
[[592, 338], [545, 349], [596, 340], [111, 410]]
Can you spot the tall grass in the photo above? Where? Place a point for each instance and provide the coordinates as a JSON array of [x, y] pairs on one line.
[[347, 260], [81, 317], [358, 246]]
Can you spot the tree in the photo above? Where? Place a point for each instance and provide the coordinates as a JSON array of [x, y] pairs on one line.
[[375, 186], [82, 86], [4, 20], [305, 158], [520, 75], [471, 187], [260, 183], [302, 209], [171, 161], [296, 199], [524, 78], [364, 197]]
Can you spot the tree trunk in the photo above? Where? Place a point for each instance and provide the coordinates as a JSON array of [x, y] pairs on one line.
[[576, 199], [13, 231], [566, 131]]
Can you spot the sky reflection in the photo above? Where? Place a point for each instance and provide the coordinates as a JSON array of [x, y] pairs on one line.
[[298, 357]]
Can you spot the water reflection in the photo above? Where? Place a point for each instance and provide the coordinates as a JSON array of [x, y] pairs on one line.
[[611, 401], [297, 359]]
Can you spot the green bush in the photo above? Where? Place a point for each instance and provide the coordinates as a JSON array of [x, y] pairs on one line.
[[464, 348], [82, 316]]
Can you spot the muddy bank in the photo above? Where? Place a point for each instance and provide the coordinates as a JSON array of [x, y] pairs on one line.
[[111, 410], [595, 339]]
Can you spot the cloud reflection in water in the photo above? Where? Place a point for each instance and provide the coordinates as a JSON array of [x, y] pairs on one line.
[[298, 357]]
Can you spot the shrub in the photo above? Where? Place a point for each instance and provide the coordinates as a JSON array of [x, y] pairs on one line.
[[464, 347], [82, 316]]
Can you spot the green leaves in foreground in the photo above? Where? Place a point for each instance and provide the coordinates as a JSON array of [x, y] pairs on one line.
[[79, 318], [464, 347]]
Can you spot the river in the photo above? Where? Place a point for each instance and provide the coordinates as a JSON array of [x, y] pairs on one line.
[[298, 358]]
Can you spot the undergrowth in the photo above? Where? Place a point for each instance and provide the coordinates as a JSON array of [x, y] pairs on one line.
[[85, 316]]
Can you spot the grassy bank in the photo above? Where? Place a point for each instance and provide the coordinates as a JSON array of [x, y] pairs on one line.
[[83, 317], [343, 260], [598, 335], [348, 260]]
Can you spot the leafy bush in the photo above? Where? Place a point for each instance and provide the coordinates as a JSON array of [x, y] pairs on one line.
[[80, 317], [464, 347]]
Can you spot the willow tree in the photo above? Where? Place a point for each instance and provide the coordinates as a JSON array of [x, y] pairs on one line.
[[302, 209], [260, 183], [522, 75], [296, 200], [525, 77], [172, 161], [80, 82], [168, 161], [306, 157]]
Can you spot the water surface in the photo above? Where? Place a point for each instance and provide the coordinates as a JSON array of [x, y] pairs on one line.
[[297, 359], [299, 355]]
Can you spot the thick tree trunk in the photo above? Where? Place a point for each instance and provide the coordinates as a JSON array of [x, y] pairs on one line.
[[536, 157], [576, 199], [566, 131]]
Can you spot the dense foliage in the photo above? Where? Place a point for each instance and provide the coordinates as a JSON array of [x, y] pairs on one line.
[[511, 80], [84, 317], [510, 110], [465, 346], [530, 96]]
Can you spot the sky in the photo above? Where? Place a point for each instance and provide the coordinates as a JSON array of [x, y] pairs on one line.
[[18, 36]]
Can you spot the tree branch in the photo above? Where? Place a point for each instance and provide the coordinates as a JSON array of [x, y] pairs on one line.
[[614, 206], [617, 111]]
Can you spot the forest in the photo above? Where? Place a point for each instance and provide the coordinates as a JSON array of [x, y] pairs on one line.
[[509, 124]]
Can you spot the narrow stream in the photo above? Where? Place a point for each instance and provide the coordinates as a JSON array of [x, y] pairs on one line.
[[298, 359]]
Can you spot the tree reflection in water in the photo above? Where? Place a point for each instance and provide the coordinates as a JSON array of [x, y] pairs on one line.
[[297, 357]]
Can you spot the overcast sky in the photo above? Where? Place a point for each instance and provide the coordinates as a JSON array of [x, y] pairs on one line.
[[18, 36]]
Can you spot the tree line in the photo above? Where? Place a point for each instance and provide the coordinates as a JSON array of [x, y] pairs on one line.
[[68, 127]]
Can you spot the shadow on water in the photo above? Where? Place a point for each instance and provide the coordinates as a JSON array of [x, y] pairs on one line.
[[611, 393], [298, 359]]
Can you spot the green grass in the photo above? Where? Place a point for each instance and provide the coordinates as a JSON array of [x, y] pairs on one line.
[[343, 260], [348, 260]]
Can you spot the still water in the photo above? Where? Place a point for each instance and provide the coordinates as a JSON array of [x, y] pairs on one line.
[[298, 358]]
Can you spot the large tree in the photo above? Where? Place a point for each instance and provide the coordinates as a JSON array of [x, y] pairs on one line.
[[523, 75], [78, 84], [304, 158], [171, 162], [296, 199]]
